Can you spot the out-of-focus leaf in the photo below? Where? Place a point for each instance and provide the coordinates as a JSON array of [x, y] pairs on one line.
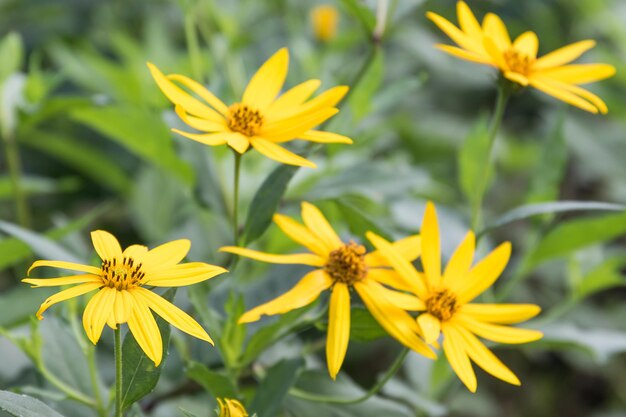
[[139, 131], [358, 220], [215, 383], [20, 303], [606, 275], [40, 244], [38, 185], [361, 97], [364, 327], [23, 406], [274, 387], [473, 160], [601, 344], [11, 55], [139, 375], [362, 13], [234, 334]]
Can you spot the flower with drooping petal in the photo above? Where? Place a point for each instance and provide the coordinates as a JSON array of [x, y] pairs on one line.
[[552, 73], [231, 408], [263, 118], [447, 306], [122, 297], [324, 19], [341, 267]]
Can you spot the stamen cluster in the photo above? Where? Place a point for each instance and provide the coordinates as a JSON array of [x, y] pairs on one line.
[[121, 276], [518, 61], [442, 304], [347, 264], [244, 119]]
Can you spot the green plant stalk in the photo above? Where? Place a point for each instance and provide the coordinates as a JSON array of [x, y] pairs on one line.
[[15, 172], [504, 92], [237, 172], [118, 373], [395, 366], [193, 46]]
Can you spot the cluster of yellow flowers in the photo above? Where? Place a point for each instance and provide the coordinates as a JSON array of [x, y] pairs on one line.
[[386, 280]]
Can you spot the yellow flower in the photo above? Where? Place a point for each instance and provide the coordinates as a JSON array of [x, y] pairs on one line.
[[262, 119], [490, 44], [340, 268], [231, 408], [122, 297], [324, 19], [447, 307]]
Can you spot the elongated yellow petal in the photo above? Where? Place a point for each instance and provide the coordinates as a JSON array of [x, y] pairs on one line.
[[500, 313], [465, 54], [183, 274], [527, 43], [294, 258], [65, 265], [299, 233], [106, 245], [324, 137], [88, 315], [238, 142], [211, 139], [484, 273], [468, 22], [172, 314], [338, 328], [316, 222], [494, 28], [562, 94], [579, 73], [201, 124], [397, 322], [399, 299], [587, 95], [328, 98], [302, 294], [144, 328], [517, 78], [289, 102], [389, 277], [497, 333], [135, 251], [454, 33], [495, 53], [431, 327], [295, 126], [110, 315], [101, 307], [267, 82], [66, 295], [563, 55], [278, 153], [408, 248], [431, 246], [123, 306], [406, 271], [179, 97], [455, 350], [460, 263], [55, 282], [202, 92], [166, 255]]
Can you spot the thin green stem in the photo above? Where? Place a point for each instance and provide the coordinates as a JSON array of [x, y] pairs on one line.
[[395, 366], [118, 373], [236, 197], [504, 93], [67, 390], [193, 46], [15, 172]]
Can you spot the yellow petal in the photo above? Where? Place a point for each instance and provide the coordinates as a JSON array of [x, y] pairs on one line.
[[302, 294], [464, 54], [494, 28], [460, 263], [389, 277], [295, 126], [201, 124], [302, 235], [468, 21], [500, 313], [399, 299], [324, 137], [431, 246], [144, 328], [172, 314], [289, 102], [495, 53], [211, 139], [97, 312], [123, 306], [268, 81], [580, 73], [527, 43], [517, 78], [454, 33], [237, 141], [454, 348], [106, 245], [135, 252], [338, 328], [166, 255], [183, 274], [568, 97], [54, 282], [328, 98], [484, 273], [408, 248], [563, 55], [431, 327], [202, 92], [65, 265], [66, 295], [294, 258], [278, 153], [181, 98], [406, 271], [587, 95], [497, 333], [318, 225]]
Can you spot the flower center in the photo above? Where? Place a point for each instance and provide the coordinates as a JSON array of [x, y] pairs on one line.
[[518, 61], [347, 264], [244, 119], [121, 276], [442, 304]]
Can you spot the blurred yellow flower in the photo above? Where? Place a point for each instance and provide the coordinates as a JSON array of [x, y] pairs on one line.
[[490, 44], [231, 408], [340, 268], [324, 19], [446, 301], [262, 119], [122, 297]]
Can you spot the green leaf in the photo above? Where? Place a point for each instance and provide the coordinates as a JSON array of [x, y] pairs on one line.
[[606, 275], [24, 406], [40, 244], [215, 383], [266, 201], [138, 130], [364, 327], [362, 96], [19, 303], [139, 375], [473, 157], [11, 55], [38, 186], [576, 234], [234, 334], [362, 13], [274, 387]]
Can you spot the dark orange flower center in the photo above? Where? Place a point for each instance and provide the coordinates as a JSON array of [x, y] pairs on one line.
[[244, 119], [518, 61], [121, 276], [347, 264], [442, 304]]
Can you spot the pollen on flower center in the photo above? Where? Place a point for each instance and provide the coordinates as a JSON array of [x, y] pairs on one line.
[[121, 276], [347, 264], [442, 304], [244, 119], [518, 61]]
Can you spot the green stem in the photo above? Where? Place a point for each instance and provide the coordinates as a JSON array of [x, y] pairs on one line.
[[118, 373], [236, 197], [193, 46], [504, 93], [15, 171], [295, 392]]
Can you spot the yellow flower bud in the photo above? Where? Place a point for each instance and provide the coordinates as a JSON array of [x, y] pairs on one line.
[[324, 19], [231, 408]]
